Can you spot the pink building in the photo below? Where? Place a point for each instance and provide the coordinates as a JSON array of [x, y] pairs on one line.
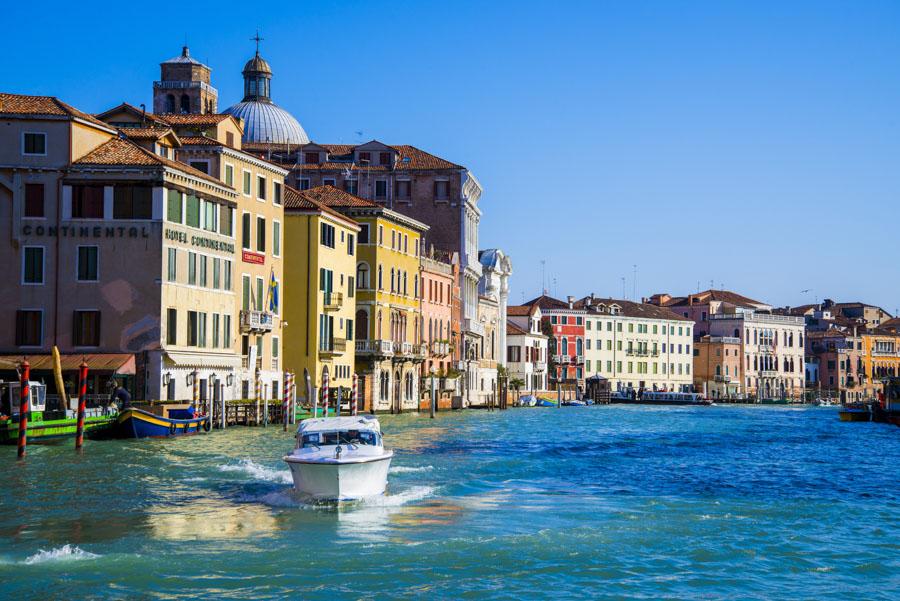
[[437, 314]]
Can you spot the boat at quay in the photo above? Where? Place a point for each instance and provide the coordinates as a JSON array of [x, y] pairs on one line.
[[48, 423], [653, 397], [160, 421]]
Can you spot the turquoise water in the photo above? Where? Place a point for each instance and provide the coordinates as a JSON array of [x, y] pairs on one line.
[[581, 502]]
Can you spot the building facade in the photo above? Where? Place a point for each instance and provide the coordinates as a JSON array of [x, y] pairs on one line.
[[835, 366], [717, 367], [526, 348], [437, 281], [320, 291], [637, 345], [563, 323]]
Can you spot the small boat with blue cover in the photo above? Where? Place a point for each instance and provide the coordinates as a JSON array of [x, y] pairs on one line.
[[160, 421]]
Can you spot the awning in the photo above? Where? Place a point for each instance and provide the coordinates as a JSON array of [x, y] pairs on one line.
[[117, 363], [202, 360]]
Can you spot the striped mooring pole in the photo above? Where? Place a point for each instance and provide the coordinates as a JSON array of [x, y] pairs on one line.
[[325, 390], [195, 378], [286, 399], [82, 404], [258, 394], [23, 409], [353, 398]]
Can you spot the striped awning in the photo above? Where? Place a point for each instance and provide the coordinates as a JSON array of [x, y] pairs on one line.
[[117, 363]]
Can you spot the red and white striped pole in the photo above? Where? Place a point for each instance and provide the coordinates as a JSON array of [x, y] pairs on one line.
[[286, 399], [353, 399], [23, 408], [196, 388], [82, 404], [325, 390]]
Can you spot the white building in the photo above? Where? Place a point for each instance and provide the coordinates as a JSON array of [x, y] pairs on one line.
[[773, 352], [526, 347], [637, 345]]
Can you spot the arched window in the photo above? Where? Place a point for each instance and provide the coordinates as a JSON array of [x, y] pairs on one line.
[[404, 283], [362, 276], [416, 286], [565, 346], [578, 347], [170, 103], [378, 326], [737, 333], [383, 389], [185, 104], [362, 325], [380, 278], [430, 329], [392, 279], [409, 386]]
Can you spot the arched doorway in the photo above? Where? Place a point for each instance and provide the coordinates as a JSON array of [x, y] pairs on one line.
[[397, 388]]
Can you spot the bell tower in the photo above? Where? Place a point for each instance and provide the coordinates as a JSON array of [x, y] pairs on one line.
[[184, 87]]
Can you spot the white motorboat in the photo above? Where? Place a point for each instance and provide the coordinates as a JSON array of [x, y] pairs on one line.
[[340, 458]]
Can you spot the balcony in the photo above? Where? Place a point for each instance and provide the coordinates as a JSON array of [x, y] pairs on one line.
[[377, 348], [724, 379], [540, 366], [562, 359], [333, 347], [768, 374], [333, 300], [766, 348], [884, 353], [256, 321], [439, 348], [473, 326], [579, 359], [637, 352]]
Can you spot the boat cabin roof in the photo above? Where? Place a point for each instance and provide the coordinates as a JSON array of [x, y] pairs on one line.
[[337, 424]]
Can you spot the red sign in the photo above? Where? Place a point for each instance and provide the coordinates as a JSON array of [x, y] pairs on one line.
[[252, 257]]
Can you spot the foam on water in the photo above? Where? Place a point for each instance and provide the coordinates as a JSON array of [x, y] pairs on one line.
[[258, 472], [408, 469], [64, 553]]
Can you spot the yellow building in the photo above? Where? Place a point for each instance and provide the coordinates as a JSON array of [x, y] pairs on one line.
[[320, 289], [881, 357], [388, 317]]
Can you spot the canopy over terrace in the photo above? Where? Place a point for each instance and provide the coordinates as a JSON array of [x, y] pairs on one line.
[[115, 363]]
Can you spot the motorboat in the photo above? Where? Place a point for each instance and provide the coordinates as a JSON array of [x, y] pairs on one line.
[[47, 419], [574, 403], [340, 458], [824, 402], [527, 400], [160, 421], [654, 397]]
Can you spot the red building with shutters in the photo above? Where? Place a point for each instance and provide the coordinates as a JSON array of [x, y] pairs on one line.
[[564, 324]]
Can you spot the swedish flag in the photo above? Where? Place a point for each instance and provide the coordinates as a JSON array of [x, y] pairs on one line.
[[273, 293]]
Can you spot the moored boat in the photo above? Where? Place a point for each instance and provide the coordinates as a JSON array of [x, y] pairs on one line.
[[340, 458], [134, 422], [654, 397], [856, 412], [46, 423]]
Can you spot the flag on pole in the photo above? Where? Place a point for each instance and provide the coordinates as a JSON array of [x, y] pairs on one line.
[[273, 293]]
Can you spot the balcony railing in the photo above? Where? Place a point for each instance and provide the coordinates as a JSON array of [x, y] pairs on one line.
[[333, 300], [637, 352], [766, 348], [440, 348], [884, 353], [579, 358], [725, 379], [335, 346], [257, 321], [562, 359], [381, 348], [768, 374], [474, 326]]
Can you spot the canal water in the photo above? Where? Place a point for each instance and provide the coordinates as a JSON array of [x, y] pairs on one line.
[[592, 502]]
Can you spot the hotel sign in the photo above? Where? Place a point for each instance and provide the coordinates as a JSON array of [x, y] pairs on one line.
[[201, 241], [86, 231], [252, 257]]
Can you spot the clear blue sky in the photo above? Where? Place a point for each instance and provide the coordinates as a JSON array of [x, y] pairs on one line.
[[755, 144]]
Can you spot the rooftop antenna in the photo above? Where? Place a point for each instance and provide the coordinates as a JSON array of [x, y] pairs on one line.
[[543, 286], [554, 287], [623, 287], [711, 284], [634, 283], [698, 286]]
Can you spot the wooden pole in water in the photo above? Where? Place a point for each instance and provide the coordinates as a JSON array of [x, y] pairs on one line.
[[340, 398], [222, 395], [325, 389], [265, 405], [311, 398], [23, 408], [293, 398], [353, 398], [433, 398], [286, 399], [258, 392], [195, 387], [82, 404]]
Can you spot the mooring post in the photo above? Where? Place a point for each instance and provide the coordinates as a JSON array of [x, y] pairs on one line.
[[433, 398], [82, 404], [223, 405], [258, 393], [354, 408], [325, 389], [23, 408]]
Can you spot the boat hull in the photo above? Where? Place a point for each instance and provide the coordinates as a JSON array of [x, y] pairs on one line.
[[38, 431], [136, 423], [855, 416], [615, 401], [345, 481]]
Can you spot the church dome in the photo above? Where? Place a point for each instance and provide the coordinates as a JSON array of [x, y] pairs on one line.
[[268, 122], [264, 121]]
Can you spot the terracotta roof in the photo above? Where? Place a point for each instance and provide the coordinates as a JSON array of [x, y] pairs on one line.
[[19, 104], [120, 151], [631, 309], [303, 200], [146, 133], [520, 310], [549, 303], [334, 197], [199, 141], [192, 119], [136, 111], [515, 330], [725, 296], [340, 157]]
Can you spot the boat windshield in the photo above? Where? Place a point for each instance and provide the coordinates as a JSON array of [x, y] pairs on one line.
[[358, 437]]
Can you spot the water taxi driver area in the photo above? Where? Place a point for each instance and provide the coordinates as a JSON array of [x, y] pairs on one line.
[[341, 437]]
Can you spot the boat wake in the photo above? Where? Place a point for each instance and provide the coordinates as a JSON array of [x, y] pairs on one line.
[[64, 553], [289, 497], [408, 469], [258, 472]]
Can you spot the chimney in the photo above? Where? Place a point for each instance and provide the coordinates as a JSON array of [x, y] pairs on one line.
[[571, 300]]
